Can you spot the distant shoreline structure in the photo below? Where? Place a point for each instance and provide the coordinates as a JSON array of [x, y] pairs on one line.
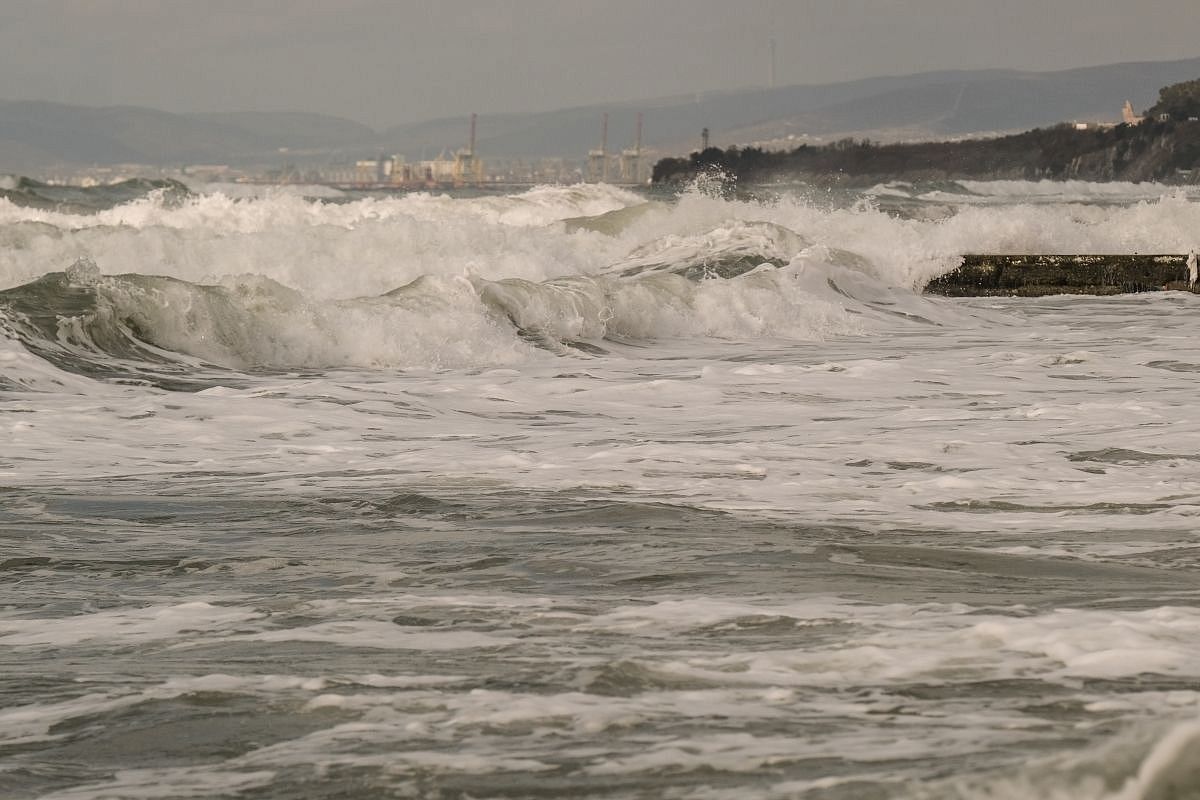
[[1004, 275]]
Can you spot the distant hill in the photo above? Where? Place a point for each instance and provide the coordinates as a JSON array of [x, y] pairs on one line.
[[980, 103], [934, 105], [36, 134], [295, 130], [51, 133], [929, 105]]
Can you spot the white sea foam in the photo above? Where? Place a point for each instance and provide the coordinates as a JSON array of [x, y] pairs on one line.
[[370, 246], [1145, 762], [1065, 191], [382, 635], [902, 644], [126, 626], [180, 782], [783, 531]]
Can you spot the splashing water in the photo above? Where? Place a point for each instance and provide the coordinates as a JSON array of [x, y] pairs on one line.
[[584, 492]]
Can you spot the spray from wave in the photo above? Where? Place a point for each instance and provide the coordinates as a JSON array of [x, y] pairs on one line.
[[428, 281]]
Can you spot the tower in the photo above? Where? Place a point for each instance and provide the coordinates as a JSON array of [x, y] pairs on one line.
[[771, 63], [468, 168], [597, 163], [631, 159]]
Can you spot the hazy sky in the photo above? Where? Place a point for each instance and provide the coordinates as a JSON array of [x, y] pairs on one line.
[[384, 62]]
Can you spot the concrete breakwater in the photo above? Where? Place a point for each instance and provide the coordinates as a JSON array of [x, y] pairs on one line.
[[988, 275]]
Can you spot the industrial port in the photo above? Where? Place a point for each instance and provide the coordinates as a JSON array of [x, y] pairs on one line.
[[466, 168], [461, 168]]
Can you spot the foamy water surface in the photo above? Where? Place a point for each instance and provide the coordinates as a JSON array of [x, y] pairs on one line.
[[583, 493]]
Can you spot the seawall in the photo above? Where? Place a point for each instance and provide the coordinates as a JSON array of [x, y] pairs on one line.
[[991, 275]]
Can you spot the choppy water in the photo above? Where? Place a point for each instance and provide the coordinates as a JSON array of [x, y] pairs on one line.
[[579, 494]]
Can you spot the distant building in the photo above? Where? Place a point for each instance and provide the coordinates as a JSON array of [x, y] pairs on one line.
[[1128, 116], [369, 170]]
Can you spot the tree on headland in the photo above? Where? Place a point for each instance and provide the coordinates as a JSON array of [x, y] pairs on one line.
[[1179, 101], [735, 161]]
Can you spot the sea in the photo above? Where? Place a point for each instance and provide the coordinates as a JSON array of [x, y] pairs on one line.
[[593, 492]]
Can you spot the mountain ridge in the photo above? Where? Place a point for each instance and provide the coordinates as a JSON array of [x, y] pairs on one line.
[[39, 134]]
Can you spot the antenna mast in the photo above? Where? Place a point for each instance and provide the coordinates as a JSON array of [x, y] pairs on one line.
[[604, 148], [771, 65]]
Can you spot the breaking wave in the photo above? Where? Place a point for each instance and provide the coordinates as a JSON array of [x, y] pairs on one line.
[[171, 282], [29, 193], [87, 322]]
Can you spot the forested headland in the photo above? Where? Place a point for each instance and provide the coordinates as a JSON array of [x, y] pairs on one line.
[[1163, 146]]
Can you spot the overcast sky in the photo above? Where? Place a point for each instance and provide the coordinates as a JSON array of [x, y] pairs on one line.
[[384, 62]]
